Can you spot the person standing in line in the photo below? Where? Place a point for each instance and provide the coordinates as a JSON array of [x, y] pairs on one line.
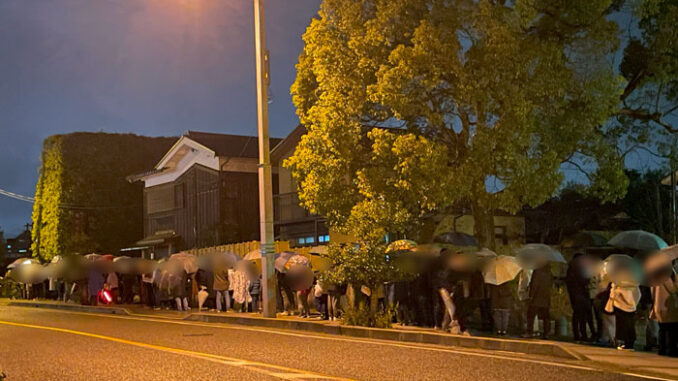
[[220, 287], [582, 309], [524, 279], [502, 299], [241, 296], [539, 303], [95, 283], [321, 300], [129, 282], [147, 283], [229, 301], [623, 303], [665, 312], [113, 284], [255, 292]]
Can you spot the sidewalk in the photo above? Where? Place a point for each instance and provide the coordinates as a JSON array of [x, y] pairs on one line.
[[639, 363]]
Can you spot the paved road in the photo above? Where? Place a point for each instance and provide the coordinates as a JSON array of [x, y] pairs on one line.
[[40, 344]]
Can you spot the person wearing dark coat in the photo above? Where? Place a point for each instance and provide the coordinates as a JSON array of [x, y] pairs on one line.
[[501, 297], [582, 306], [441, 280], [128, 283], [539, 303], [95, 283], [255, 291]]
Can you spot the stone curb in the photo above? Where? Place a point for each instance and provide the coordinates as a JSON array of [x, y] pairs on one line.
[[72, 307], [483, 343]]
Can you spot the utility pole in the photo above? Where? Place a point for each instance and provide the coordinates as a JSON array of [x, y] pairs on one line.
[[265, 171]]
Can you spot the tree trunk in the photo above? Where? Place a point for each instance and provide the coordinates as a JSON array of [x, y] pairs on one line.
[[374, 300], [484, 226]]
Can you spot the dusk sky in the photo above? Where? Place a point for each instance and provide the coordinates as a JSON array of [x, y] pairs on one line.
[[151, 67]]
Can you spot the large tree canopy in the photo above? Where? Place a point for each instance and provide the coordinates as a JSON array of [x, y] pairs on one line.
[[412, 106]]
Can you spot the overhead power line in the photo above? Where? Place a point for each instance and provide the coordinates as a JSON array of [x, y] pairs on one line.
[[17, 196], [62, 206]]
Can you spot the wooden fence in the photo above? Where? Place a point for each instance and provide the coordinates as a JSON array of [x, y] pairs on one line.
[[242, 248]]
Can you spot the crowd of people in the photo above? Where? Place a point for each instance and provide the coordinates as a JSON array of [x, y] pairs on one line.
[[603, 313]]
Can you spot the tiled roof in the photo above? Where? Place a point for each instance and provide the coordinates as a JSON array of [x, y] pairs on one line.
[[226, 145]]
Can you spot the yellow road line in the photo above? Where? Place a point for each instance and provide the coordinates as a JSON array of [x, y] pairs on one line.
[[272, 370], [499, 355]]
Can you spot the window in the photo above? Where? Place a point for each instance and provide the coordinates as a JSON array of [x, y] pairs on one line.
[[500, 236], [306, 241], [160, 199], [324, 239]]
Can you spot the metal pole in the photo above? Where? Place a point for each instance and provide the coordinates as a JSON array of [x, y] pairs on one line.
[[265, 180]]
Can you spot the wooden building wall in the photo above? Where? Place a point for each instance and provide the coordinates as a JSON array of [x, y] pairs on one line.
[[189, 206]]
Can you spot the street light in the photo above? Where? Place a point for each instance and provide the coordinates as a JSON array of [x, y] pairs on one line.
[[265, 172]]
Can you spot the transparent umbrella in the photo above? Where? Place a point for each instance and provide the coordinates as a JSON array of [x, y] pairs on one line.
[[535, 255], [622, 269], [500, 270]]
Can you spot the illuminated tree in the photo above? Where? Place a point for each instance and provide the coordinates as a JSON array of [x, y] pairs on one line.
[[413, 106]]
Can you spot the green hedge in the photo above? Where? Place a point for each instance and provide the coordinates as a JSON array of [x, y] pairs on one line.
[[83, 201]]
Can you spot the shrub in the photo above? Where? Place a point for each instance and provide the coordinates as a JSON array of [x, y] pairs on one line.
[[362, 316]]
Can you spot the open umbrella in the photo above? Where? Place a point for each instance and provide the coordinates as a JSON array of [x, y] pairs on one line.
[[281, 260], [297, 260], [500, 270], [638, 240], [401, 245], [22, 262], [93, 257], [253, 255], [622, 269], [456, 239], [534, 255], [429, 249], [584, 239], [469, 261], [189, 261]]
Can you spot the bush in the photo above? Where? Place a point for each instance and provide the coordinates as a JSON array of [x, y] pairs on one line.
[[363, 317], [9, 289]]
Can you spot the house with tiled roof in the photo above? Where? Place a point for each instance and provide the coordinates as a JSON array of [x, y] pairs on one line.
[[203, 192]]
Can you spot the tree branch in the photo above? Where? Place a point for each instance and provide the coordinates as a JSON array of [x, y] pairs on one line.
[[643, 115]]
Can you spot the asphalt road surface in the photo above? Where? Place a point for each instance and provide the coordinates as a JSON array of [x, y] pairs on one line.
[[38, 344]]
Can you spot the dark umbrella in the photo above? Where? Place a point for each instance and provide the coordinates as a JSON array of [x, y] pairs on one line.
[[638, 240], [456, 239]]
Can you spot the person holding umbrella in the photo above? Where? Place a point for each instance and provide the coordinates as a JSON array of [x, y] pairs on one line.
[[498, 272], [624, 298], [625, 275], [665, 311], [662, 277], [582, 308], [220, 286], [539, 302]]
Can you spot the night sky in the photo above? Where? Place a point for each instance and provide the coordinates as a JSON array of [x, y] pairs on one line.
[[151, 67]]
